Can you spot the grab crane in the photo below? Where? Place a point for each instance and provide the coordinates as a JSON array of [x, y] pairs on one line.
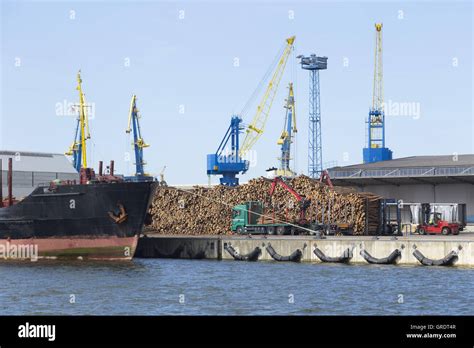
[[138, 143], [78, 149], [303, 202], [287, 136], [230, 164]]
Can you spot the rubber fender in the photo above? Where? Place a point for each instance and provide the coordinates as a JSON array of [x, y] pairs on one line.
[[389, 260], [344, 258], [251, 256], [448, 260], [176, 254], [295, 256]]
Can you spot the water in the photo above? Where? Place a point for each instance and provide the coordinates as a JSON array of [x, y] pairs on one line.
[[191, 287]]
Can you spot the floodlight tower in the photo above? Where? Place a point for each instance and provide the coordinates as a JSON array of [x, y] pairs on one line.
[[314, 63]]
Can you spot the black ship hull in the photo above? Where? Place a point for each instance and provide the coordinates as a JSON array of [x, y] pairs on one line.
[[90, 221]]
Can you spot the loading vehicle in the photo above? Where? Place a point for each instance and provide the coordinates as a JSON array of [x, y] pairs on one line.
[[433, 223], [257, 217]]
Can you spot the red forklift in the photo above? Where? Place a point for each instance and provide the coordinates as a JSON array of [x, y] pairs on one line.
[[432, 223]]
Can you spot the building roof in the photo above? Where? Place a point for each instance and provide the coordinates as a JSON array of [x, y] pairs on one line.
[[407, 170], [24, 161], [417, 161]]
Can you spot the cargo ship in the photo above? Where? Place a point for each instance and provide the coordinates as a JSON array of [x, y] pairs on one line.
[[97, 217], [100, 219]]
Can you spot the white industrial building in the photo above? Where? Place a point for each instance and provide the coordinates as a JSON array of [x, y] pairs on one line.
[[31, 169], [423, 179]]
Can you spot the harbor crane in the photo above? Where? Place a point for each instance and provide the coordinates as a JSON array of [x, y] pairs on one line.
[[287, 137], [78, 149], [138, 143], [376, 150], [230, 163], [162, 177]]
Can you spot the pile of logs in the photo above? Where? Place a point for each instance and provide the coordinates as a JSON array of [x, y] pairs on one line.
[[203, 210]]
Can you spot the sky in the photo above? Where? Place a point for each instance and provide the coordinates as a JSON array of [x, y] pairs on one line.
[[193, 64]]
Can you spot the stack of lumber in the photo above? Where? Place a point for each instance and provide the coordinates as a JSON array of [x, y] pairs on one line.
[[208, 210]]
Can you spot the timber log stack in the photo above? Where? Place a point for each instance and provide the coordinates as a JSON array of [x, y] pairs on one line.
[[208, 210]]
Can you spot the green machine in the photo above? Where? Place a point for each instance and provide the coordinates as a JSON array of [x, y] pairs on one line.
[[249, 218]]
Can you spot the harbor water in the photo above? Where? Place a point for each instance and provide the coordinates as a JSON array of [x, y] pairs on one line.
[[203, 287]]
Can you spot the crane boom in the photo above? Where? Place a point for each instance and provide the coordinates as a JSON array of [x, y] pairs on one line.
[[257, 126], [377, 100]]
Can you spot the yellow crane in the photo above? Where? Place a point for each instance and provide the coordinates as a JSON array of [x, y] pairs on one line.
[[257, 126], [78, 149]]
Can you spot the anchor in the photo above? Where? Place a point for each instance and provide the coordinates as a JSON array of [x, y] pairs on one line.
[[121, 216]]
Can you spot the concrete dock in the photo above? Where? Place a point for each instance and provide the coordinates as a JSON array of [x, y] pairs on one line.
[[217, 247]]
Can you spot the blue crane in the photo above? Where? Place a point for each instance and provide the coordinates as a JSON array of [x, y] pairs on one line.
[[76, 149], [314, 63], [376, 150], [138, 143], [287, 135], [228, 164]]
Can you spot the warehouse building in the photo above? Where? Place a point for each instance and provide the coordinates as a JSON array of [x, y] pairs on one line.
[[31, 169], [423, 179]]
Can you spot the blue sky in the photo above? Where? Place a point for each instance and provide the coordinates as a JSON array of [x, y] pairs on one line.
[[126, 47]]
